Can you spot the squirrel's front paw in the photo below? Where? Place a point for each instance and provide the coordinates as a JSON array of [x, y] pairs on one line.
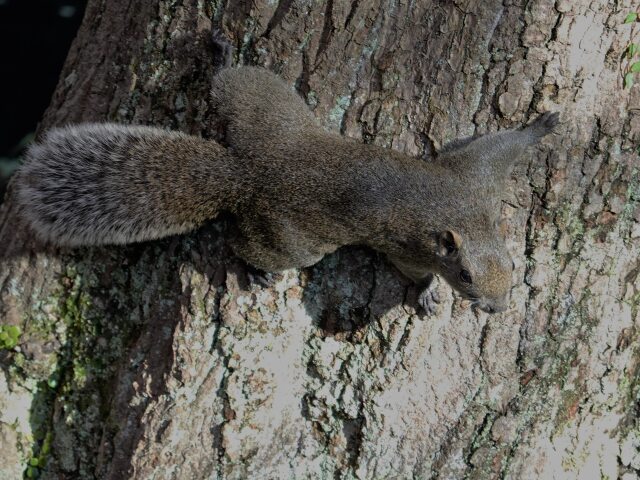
[[428, 299], [544, 124]]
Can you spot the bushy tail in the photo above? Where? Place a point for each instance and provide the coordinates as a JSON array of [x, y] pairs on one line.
[[96, 184]]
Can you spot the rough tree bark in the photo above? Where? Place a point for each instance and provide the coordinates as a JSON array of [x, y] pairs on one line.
[[161, 360]]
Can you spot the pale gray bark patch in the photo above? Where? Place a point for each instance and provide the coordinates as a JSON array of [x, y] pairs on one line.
[[161, 360]]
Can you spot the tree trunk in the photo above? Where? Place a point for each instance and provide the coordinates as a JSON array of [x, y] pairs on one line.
[[161, 360]]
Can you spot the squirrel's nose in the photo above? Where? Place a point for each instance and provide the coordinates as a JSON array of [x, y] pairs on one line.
[[493, 307]]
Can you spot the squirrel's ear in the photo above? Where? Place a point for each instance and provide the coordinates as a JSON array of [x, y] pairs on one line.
[[449, 243]]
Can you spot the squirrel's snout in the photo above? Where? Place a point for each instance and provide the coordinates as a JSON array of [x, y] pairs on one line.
[[492, 307]]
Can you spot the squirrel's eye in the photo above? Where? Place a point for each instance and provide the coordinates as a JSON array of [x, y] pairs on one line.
[[465, 276]]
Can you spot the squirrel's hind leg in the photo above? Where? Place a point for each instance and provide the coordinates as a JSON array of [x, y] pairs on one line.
[[263, 248], [269, 259]]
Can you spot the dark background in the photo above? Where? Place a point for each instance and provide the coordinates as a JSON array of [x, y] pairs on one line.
[[35, 36]]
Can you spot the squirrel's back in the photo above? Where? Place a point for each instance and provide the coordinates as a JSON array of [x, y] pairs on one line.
[[95, 184]]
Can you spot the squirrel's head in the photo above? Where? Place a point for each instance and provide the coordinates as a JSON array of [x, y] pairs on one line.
[[478, 268]]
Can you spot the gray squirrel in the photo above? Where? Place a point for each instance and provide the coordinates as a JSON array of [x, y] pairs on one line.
[[295, 191]]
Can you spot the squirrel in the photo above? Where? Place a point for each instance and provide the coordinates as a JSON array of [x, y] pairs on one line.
[[295, 192]]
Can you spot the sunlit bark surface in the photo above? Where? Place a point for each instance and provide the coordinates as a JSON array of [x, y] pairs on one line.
[[164, 361]]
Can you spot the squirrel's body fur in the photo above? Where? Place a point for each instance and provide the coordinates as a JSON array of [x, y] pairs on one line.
[[296, 191], [364, 194]]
